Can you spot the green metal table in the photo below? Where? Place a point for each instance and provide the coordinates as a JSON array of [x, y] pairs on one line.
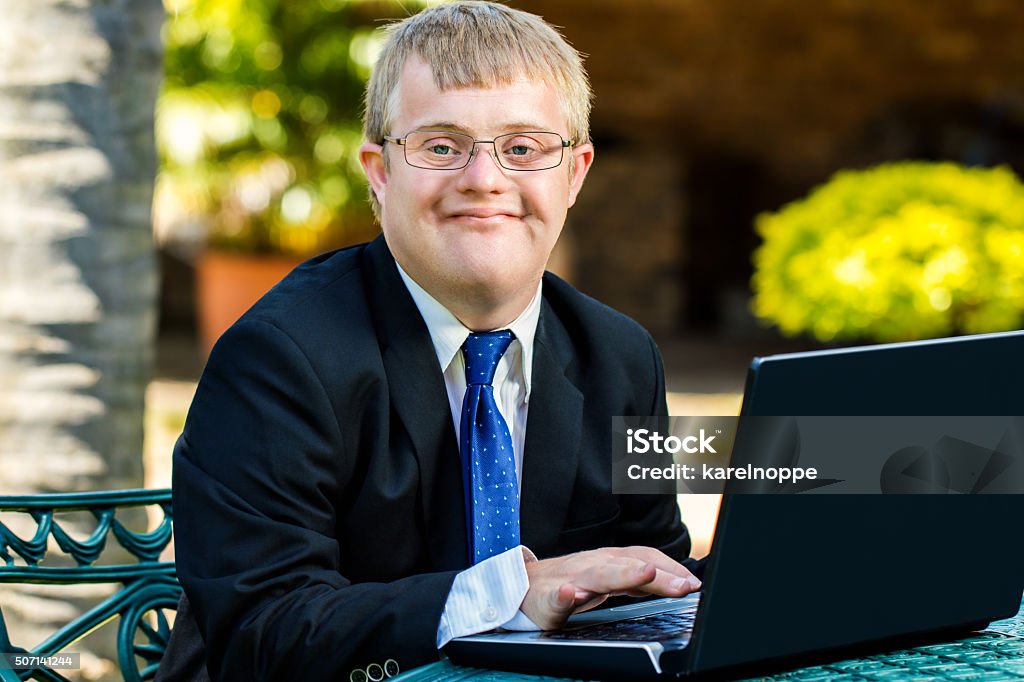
[[993, 655]]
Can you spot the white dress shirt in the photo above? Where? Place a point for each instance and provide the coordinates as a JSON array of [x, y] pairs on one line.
[[486, 595]]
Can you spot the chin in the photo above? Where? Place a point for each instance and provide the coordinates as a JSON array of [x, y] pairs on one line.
[[493, 255], [497, 280]]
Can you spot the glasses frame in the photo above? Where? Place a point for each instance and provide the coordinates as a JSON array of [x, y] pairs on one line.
[[400, 141]]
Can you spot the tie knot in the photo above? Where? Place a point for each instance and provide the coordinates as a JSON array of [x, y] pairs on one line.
[[482, 353]]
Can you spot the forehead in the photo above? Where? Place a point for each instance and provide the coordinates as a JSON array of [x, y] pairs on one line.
[[481, 110]]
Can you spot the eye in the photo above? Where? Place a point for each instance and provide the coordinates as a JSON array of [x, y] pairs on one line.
[[522, 149], [440, 145], [439, 149], [437, 146], [521, 145]]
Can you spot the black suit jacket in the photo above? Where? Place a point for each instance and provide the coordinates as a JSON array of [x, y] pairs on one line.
[[318, 501]]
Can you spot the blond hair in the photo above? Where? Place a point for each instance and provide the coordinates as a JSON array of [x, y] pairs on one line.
[[477, 44]]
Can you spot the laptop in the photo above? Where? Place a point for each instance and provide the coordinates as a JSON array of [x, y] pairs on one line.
[[794, 580]]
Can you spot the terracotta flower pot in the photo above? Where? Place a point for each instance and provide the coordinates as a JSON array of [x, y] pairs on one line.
[[227, 284]]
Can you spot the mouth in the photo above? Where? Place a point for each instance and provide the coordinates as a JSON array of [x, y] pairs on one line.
[[484, 215]]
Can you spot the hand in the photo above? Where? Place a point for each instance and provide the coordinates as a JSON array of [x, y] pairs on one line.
[[562, 586]]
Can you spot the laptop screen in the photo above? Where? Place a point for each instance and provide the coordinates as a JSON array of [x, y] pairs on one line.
[[799, 573]]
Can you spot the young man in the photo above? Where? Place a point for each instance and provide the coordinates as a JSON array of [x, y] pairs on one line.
[[410, 440]]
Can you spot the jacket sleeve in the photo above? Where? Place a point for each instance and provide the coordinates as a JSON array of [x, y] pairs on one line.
[[654, 520], [260, 474]]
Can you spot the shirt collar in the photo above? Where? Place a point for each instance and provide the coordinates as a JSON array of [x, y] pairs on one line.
[[448, 334]]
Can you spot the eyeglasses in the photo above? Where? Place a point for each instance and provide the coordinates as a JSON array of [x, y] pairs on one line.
[[446, 150]]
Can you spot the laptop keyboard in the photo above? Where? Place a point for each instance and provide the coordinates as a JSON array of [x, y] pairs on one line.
[[655, 628], [995, 655]]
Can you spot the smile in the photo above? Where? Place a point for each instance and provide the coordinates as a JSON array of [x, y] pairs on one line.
[[483, 217], [484, 214]]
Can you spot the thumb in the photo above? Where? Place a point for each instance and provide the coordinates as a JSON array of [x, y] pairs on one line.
[[563, 599]]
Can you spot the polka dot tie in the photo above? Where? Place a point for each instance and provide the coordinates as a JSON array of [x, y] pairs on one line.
[[492, 497]]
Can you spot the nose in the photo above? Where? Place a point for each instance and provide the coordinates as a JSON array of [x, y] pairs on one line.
[[484, 173]]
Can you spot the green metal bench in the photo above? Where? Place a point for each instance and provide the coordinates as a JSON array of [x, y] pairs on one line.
[[149, 586]]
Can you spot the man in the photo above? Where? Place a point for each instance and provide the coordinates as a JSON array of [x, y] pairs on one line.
[[333, 510]]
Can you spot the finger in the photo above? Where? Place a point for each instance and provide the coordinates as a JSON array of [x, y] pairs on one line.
[[563, 599], [582, 596], [590, 604], [618, 576], [669, 585], [661, 561]]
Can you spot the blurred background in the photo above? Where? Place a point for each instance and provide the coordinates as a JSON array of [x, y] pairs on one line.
[[770, 176], [708, 115]]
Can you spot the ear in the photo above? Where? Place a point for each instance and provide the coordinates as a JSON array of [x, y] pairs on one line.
[[371, 156], [583, 156]]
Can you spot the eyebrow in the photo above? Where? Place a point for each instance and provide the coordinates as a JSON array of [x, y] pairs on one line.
[[514, 127]]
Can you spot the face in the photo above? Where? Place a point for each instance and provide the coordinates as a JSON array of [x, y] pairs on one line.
[[477, 237]]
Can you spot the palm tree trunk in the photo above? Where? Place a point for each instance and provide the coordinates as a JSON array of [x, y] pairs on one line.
[[78, 279]]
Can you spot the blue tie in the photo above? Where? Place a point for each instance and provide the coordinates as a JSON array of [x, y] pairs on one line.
[[491, 489]]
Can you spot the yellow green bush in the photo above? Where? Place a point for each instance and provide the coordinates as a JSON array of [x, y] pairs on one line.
[[901, 251]]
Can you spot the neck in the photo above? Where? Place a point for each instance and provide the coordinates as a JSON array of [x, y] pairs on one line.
[[481, 314], [479, 308]]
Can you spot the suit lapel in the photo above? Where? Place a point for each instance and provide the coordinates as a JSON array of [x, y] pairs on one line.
[[418, 392], [553, 428]]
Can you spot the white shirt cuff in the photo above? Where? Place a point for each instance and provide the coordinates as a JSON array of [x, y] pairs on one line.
[[520, 623], [486, 596]]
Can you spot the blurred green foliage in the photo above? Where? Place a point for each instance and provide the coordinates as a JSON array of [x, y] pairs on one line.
[[902, 251], [258, 122]]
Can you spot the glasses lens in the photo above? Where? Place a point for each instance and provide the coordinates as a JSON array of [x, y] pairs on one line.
[[438, 149], [445, 150], [529, 151]]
